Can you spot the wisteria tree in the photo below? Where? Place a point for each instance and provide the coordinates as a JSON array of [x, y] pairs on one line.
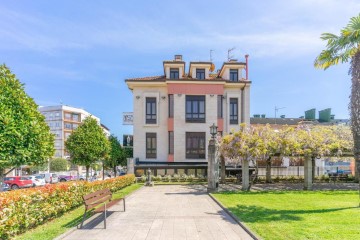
[[252, 143], [241, 147]]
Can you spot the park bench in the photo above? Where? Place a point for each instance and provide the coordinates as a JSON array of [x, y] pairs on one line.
[[99, 201]]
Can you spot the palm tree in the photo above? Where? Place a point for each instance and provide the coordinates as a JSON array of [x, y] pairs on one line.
[[343, 48]]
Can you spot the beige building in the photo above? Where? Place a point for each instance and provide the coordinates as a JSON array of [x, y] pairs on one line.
[[62, 120], [173, 113]]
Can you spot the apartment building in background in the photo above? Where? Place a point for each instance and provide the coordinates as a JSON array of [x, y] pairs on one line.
[[173, 113], [62, 120]]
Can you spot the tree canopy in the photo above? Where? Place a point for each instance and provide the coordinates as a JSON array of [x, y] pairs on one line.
[[262, 142], [25, 137], [59, 164], [117, 155], [87, 144]]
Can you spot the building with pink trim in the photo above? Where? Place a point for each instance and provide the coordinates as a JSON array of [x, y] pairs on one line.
[[173, 113]]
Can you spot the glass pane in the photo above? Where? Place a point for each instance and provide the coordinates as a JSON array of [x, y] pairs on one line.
[[194, 107], [154, 143], [148, 111], [153, 108], [188, 143], [202, 107], [188, 107], [195, 143], [202, 143]]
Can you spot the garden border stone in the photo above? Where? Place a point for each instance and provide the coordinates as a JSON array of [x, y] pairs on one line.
[[236, 219]]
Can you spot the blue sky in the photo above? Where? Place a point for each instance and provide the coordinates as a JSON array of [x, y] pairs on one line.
[[80, 52]]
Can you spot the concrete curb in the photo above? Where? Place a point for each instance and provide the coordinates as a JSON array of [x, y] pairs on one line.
[[236, 219], [76, 227]]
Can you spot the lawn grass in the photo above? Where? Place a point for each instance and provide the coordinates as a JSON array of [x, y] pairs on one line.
[[67, 221], [297, 214], [179, 183]]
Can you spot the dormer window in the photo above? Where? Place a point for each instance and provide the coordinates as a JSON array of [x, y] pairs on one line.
[[234, 75], [200, 73], [174, 73]]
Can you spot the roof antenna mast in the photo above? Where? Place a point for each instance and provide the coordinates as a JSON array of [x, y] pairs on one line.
[[211, 51], [229, 53]]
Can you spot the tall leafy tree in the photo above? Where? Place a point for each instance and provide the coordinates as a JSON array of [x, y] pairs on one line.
[[343, 48], [117, 155], [25, 137], [58, 164], [87, 144]]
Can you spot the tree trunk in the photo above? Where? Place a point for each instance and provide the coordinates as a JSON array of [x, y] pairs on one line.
[[1, 179], [313, 168], [223, 181], [308, 173], [245, 175], [87, 172], [254, 177], [103, 170], [114, 171], [268, 170], [354, 108], [357, 159]]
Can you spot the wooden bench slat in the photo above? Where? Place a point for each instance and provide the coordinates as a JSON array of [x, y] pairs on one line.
[[103, 200], [100, 192], [108, 205], [96, 199]]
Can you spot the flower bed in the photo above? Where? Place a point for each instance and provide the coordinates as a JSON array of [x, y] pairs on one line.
[[24, 209]]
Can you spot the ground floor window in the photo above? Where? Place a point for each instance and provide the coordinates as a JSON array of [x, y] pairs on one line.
[[150, 145], [195, 145]]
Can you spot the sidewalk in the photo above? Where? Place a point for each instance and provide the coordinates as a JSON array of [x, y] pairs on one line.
[[164, 212]]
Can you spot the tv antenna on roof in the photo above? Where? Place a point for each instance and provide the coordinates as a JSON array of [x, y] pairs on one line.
[[229, 52], [211, 51], [276, 110]]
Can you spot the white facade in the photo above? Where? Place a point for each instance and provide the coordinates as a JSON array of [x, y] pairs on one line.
[[62, 120], [211, 91]]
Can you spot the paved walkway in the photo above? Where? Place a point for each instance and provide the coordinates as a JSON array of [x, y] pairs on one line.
[[164, 212]]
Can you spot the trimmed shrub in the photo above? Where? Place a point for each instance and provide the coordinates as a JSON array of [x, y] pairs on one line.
[[191, 177], [176, 178], [23, 209], [167, 178]]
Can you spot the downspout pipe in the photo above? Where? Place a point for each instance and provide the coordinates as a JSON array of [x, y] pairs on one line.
[[242, 90], [247, 66]]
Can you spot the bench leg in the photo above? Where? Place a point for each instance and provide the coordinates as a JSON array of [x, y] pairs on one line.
[[105, 217], [83, 220]]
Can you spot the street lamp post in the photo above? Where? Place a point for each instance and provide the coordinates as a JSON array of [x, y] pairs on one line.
[[213, 164]]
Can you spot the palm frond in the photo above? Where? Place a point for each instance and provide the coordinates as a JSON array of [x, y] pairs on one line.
[[342, 48]]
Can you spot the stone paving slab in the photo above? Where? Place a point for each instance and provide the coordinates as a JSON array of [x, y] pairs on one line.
[[166, 212]]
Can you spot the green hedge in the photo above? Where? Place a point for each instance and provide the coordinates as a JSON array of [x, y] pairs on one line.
[[23, 209]]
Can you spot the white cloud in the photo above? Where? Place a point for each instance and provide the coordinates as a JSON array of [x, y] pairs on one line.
[[286, 28]]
